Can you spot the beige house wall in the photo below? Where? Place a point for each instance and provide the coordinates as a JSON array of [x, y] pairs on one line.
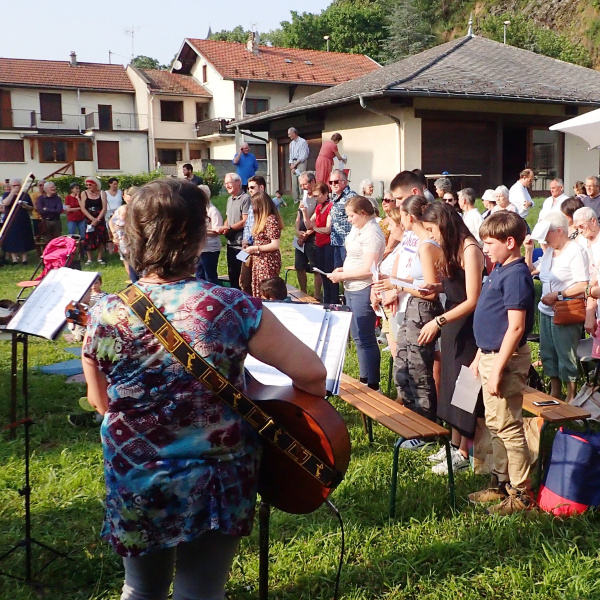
[[579, 161]]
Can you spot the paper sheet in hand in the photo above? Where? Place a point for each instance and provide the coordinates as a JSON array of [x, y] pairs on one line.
[[540, 231], [466, 390], [296, 245], [44, 312], [315, 270], [242, 255]]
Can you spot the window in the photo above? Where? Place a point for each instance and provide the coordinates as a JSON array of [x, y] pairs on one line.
[[105, 117], [50, 107], [168, 156], [199, 112], [204, 73], [171, 110], [108, 155], [195, 154], [53, 150], [256, 105], [84, 151], [12, 151], [259, 150]]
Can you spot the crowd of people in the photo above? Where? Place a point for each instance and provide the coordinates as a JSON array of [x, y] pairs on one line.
[[449, 285]]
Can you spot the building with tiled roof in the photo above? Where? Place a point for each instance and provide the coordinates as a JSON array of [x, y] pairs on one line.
[[174, 103], [245, 79], [472, 107], [70, 117]]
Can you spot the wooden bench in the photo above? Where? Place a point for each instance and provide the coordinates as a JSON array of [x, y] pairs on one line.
[[553, 416], [402, 421], [299, 296]]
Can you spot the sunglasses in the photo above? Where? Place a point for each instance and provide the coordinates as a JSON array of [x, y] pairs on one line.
[[335, 181], [387, 200], [252, 187]]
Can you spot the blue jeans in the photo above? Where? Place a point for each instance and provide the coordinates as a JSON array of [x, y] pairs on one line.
[[339, 256], [362, 330], [206, 267], [201, 569], [76, 228], [331, 291]]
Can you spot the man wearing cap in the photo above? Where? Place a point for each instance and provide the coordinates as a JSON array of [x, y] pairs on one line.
[[489, 201]]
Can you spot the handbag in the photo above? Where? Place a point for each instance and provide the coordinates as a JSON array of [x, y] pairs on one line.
[[569, 311], [571, 484], [588, 398]]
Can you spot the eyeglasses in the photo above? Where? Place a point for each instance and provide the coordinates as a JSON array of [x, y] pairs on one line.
[[335, 181]]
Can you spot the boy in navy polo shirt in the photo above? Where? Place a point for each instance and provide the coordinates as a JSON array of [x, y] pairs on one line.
[[503, 319]]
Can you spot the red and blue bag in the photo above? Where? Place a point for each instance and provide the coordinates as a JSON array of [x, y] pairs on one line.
[[572, 482]]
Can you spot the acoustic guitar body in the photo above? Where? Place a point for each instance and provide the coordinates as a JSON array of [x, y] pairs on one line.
[[313, 422]]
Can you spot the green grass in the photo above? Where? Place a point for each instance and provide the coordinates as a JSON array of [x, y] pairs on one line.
[[428, 552]]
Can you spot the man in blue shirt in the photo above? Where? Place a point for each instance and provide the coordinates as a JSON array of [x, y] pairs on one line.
[[246, 164]]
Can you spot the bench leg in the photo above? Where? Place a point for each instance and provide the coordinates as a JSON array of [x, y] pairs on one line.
[[394, 484], [368, 426], [539, 468], [451, 488]]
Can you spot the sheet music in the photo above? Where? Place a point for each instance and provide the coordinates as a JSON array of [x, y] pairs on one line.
[[324, 331], [43, 314]]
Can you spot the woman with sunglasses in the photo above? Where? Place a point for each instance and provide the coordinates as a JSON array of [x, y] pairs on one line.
[[94, 205], [387, 223]]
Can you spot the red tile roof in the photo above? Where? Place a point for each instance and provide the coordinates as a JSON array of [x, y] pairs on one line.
[[60, 74], [290, 65], [173, 83]]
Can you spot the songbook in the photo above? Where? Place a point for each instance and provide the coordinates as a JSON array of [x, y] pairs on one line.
[[43, 314], [324, 330]]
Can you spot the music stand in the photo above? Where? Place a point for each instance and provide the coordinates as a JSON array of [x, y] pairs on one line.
[[28, 541], [42, 315]]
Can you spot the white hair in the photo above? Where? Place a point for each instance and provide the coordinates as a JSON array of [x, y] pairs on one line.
[[48, 184], [205, 189], [232, 176], [584, 214], [365, 183], [15, 181], [502, 189], [557, 220]]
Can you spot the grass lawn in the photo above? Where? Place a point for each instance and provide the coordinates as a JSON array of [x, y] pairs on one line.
[[428, 552]]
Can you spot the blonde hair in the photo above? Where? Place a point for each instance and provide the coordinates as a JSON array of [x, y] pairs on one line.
[[263, 208]]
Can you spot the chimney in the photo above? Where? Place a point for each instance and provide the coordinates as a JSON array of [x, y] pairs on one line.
[[252, 43], [73, 59]]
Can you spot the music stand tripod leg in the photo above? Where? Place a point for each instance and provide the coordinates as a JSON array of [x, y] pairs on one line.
[[264, 515]]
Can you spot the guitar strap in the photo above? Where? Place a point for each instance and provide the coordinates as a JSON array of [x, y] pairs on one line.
[[194, 364]]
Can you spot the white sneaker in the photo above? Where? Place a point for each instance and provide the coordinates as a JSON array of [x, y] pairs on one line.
[[459, 462], [439, 455], [413, 444]]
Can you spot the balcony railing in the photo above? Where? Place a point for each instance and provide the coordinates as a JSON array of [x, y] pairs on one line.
[[212, 127], [115, 121]]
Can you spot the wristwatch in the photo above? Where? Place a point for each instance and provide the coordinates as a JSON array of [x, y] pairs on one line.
[[441, 321], [560, 296]]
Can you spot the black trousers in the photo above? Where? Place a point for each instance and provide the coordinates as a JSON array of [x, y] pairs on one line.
[[234, 266]]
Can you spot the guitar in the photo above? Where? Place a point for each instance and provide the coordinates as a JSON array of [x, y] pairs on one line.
[[310, 420]]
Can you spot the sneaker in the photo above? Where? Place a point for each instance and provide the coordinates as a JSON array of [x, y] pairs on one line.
[[515, 501], [414, 444], [459, 462], [88, 263], [101, 262], [491, 494], [438, 456], [82, 419]]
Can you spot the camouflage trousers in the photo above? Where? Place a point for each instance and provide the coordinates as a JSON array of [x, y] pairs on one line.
[[414, 363]]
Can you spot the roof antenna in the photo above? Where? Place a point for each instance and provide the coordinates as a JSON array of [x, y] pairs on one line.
[[470, 32]]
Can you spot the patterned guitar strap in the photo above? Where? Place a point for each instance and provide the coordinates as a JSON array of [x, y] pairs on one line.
[[194, 364]]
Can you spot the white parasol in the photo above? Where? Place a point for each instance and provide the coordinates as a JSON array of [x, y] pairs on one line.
[[585, 126]]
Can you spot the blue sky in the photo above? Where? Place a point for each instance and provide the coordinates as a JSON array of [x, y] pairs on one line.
[[50, 30]]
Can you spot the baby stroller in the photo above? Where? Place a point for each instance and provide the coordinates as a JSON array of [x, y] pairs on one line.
[[60, 252]]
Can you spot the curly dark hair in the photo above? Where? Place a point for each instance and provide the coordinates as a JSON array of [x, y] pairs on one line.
[[165, 227], [453, 233]]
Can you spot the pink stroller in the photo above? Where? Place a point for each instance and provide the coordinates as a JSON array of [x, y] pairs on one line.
[[60, 252]]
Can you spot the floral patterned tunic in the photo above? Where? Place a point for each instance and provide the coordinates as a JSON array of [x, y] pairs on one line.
[[177, 460], [266, 264]]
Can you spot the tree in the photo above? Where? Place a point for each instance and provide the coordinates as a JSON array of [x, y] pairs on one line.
[[238, 34], [408, 32], [145, 62]]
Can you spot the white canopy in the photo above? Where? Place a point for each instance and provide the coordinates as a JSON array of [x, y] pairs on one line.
[[585, 126]]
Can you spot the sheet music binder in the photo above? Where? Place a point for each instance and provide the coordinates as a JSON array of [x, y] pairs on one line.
[[43, 314], [322, 328]]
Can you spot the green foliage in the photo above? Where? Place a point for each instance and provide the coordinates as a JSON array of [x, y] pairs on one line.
[[211, 179], [237, 34], [523, 33], [408, 32], [125, 181], [146, 62]]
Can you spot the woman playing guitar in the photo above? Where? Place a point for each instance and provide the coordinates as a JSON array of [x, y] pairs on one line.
[[180, 465]]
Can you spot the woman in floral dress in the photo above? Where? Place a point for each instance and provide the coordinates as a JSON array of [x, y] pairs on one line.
[[266, 257], [180, 465]]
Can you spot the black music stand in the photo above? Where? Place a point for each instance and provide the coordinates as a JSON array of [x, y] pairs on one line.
[[28, 541]]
